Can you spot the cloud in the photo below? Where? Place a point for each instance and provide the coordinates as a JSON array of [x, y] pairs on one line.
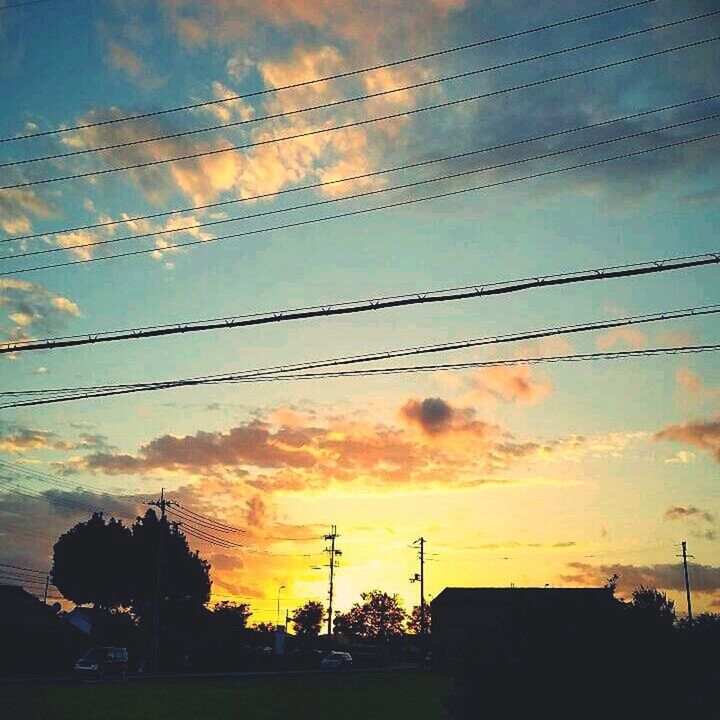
[[256, 511], [703, 434], [665, 576], [623, 337], [18, 439], [31, 308], [513, 545], [251, 444], [356, 23], [690, 384], [696, 519], [438, 445], [19, 207], [513, 384], [609, 445], [680, 512], [435, 416], [688, 380], [681, 457]]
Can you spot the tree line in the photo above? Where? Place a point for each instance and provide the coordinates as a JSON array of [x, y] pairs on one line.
[[111, 566]]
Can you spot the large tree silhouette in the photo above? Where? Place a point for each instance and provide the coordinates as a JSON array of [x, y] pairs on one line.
[[379, 616], [110, 565], [232, 616], [92, 563], [308, 618], [185, 576]]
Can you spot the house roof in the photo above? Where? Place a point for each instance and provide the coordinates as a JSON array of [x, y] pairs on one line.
[[473, 595], [17, 606]]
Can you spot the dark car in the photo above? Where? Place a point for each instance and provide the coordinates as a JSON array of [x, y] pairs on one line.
[[337, 661], [103, 662]]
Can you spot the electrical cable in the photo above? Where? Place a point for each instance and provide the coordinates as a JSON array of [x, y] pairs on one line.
[[364, 211], [368, 193], [17, 397], [358, 98], [502, 91], [336, 76], [478, 290], [313, 186]]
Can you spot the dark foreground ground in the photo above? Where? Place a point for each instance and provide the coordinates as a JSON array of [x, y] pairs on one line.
[[351, 696]]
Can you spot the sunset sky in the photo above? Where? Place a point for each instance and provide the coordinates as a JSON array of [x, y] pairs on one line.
[[559, 474]]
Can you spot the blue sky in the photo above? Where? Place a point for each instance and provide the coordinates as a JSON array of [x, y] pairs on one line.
[[597, 473]]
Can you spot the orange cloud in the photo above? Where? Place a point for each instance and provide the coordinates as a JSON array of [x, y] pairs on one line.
[[225, 21], [440, 446], [703, 434], [628, 337], [513, 384]]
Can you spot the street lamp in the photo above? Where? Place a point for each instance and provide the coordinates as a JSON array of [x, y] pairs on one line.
[[277, 619]]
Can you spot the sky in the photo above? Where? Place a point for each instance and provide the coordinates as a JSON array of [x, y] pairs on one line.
[[559, 474]]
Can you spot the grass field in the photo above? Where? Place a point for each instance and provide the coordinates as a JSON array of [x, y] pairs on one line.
[[361, 696]]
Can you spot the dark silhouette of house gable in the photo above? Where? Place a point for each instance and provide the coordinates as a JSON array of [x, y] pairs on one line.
[[514, 625]]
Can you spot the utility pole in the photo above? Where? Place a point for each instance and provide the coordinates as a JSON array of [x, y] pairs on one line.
[[47, 584], [685, 557], [163, 504], [420, 577], [334, 553]]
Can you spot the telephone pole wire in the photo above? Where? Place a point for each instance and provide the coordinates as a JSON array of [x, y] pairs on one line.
[[163, 504], [687, 580], [334, 553]]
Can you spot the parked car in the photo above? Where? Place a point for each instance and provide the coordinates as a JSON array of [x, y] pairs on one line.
[[337, 661], [103, 662]]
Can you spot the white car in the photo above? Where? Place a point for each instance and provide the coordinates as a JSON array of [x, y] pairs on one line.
[[337, 661]]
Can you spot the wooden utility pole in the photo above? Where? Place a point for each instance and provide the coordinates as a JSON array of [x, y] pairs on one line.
[[420, 577], [334, 553], [687, 581], [163, 504]]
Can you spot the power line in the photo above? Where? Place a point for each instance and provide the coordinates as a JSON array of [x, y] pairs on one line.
[[47, 477], [463, 344], [352, 178], [7, 484], [346, 101], [199, 529], [363, 211], [64, 485], [220, 525], [524, 86], [576, 357], [28, 3], [336, 76], [393, 354], [478, 290], [379, 191], [25, 569], [295, 372]]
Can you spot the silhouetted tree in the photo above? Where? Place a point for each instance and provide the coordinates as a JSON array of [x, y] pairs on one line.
[[350, 624], [415, 620], [92, 563], [231, 615], [379, 616], [653, 607], [611, 583], [185, 575], [307, 619]]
